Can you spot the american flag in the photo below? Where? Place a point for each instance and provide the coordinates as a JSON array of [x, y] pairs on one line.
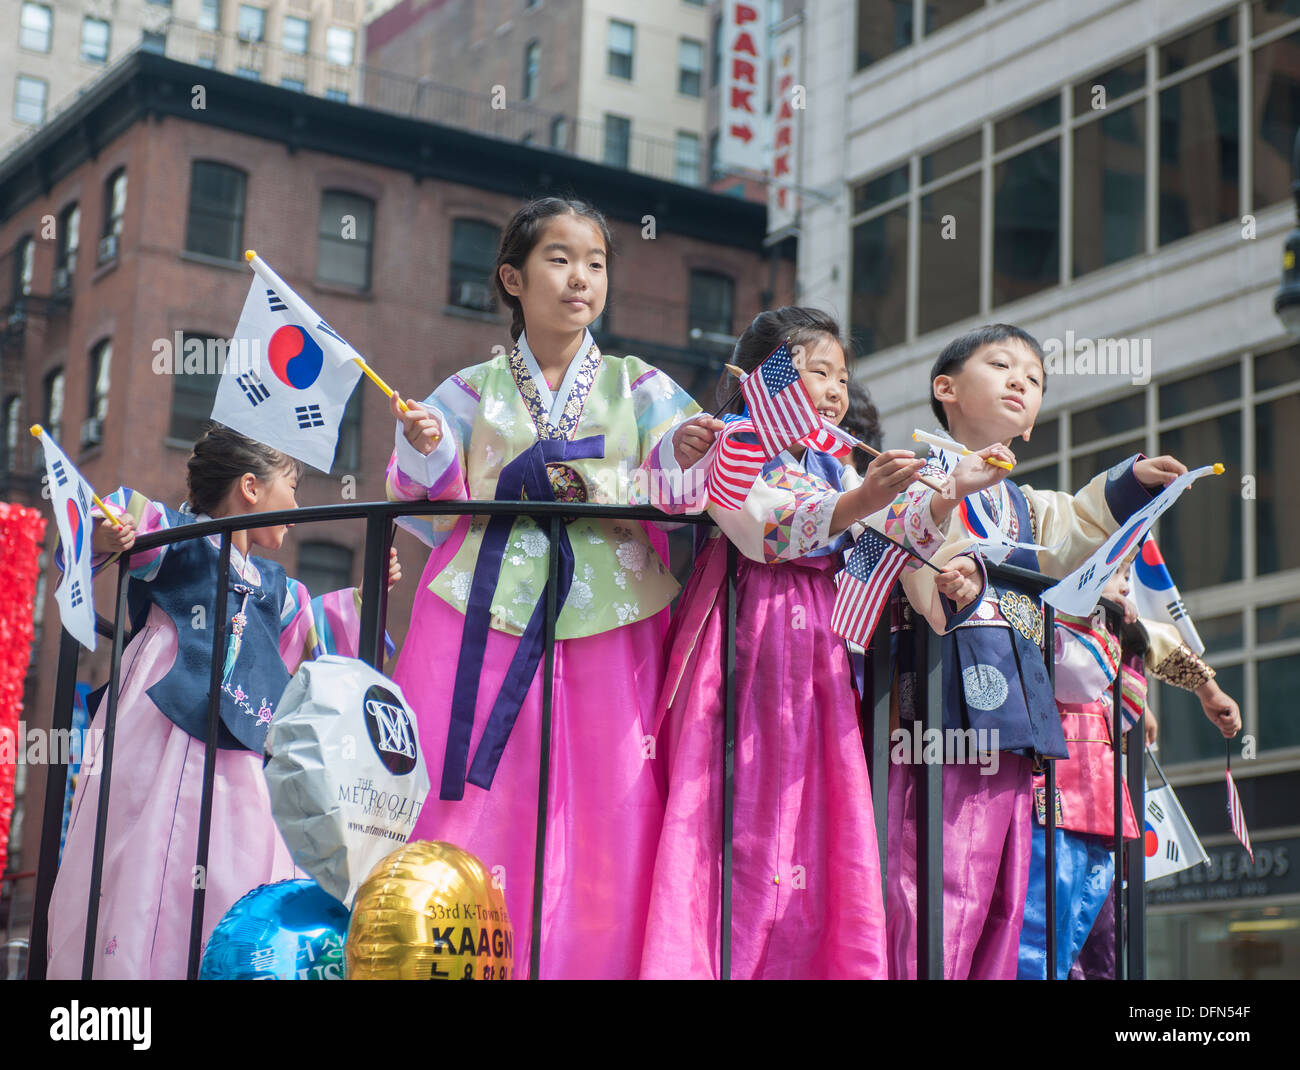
[[865, 584], [829, 438], [736, 465], [779, 404], [1238, 816]]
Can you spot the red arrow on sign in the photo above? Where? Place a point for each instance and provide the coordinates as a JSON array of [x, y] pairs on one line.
[[742, 132]]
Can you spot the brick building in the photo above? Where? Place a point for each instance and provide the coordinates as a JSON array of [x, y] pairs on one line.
[[123, 223]]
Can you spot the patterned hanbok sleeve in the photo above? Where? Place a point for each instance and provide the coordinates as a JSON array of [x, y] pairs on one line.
[[787, 515], [327, 624], [440, 476], [1172, 661], [149, 516]]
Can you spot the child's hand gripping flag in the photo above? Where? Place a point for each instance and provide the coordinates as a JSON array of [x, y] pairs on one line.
[[1078, 593], [288, 374], [71, 496]]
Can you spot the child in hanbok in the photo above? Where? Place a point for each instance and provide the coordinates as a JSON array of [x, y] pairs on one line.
[[806, 882], [553, 419], [987, 387], [151, 843], [1087, 655]]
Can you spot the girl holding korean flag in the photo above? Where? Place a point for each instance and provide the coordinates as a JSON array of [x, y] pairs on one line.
[[552, 419], [151, 842]]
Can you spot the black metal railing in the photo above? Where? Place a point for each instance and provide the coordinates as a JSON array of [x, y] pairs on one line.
[[379, 519]]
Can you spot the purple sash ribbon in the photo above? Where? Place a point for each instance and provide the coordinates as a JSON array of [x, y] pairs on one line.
[[526, 473]]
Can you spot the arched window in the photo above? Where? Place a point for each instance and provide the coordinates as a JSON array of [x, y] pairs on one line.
[[69, 241], [114, 213], [92, 431]]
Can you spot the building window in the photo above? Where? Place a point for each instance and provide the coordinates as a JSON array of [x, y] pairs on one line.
[[13, 412], [1198, 175], [340, 45], [210, 15], [251, 73], [29, 100], [194, 392], [216, 215], [92, 432], [618, 137], [296, 84], [252, 23], [339, 96], [34, 27], [690, 67], [622, 43], [688, 158], [473, 260], [52, 396], [68, 241], [24, 266], [297, 32], [712, 297], [153, 42], [94, 40], [324, 567], [1275, 70], [347, 222], [559, 132], [532, 61], [114, 206], [887, 26], [715, 60]]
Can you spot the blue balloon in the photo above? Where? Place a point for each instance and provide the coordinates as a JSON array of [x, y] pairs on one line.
[[290, 931]]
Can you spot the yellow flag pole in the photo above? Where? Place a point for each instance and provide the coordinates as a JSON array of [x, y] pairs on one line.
[[37, 430], [360, 362]]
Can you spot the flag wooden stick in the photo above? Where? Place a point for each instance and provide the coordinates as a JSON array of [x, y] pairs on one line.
[[251, 254], [856, 442], [37, 430], [910, 553], [946, 444]]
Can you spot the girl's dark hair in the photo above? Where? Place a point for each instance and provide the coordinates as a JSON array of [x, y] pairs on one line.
[[957, 352], [221, 456], [862, 421], [793, 324], [522, 234]]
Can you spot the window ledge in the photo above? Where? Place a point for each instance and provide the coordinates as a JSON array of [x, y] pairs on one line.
[[106, 268], [89, 453], [342, 289], [213, 261], [471, 314]]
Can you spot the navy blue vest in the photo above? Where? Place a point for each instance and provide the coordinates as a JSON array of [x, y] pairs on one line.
[[255, 680], [994, 678]]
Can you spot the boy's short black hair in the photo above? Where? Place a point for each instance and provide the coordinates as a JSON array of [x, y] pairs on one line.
[[959, 350]]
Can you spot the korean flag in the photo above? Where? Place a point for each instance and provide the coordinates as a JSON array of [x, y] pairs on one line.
[[72, 497], [288, 374], [1078, 593], [1169, 842]]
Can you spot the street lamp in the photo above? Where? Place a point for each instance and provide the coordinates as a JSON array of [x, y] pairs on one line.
[[1286, 303]]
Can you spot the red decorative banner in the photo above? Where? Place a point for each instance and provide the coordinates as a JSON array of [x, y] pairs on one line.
[[21, 532]]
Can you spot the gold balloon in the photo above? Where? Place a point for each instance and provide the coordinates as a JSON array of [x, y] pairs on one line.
[[429, 911]]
